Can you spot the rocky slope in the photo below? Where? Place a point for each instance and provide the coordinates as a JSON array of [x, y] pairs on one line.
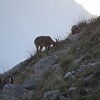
[[71, 71]]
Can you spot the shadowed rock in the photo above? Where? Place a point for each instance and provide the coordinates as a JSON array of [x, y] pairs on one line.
[[16, 92]]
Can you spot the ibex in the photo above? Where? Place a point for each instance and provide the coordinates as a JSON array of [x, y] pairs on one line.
[[75, 29], [4, 81], [43, 41]]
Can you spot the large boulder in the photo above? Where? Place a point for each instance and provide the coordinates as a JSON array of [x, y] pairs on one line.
[[41, 67], [16, 92], [44, 64], [74, 37], [34, 81], [51, 95], [31, 83], [68, 75]]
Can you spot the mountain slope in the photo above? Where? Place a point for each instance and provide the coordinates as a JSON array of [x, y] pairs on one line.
[[22, 21], [71, 71]]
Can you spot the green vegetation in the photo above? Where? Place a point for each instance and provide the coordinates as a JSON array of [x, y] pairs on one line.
[[67, 63]]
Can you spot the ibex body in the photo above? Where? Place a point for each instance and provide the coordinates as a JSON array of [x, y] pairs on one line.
[[75, 29], [43, 41]]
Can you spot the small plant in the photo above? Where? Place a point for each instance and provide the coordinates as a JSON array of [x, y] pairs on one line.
[[21, 77], [65, 62]]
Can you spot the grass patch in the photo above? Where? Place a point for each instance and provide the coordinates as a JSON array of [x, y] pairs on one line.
[[67, 63], [25, 74], [73, 66], [50, 81], [93, 96]]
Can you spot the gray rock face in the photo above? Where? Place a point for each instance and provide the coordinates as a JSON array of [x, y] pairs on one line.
[[31, 83], [72, 89], [62, 98], [15, 92], [51, 95], [74, 37], [68, 75], [40, 68], [80, 59], [44, 64]]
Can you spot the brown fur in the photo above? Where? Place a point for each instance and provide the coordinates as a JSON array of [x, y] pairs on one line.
[[4, 81], [43, 41], [75, 29]]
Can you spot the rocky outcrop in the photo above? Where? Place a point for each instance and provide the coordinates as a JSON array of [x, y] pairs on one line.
[[74, 37], [44, 64], [74, 74], [31, 83], [51, 95], [23, 91], [40, 68], [70, 73], [16, 92]]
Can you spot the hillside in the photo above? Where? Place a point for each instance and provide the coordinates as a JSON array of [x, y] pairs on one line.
[[71, 71], [21, 21]]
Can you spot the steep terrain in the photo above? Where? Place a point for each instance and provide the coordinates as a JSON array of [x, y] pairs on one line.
[[21, 21], [71, 71]]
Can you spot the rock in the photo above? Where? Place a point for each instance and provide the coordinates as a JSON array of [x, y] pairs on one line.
[[93, 64], [44, 64], [74, 77], [56, 67], [62, 97], [73, 72], [68, 75], [71, 89], [84, 67], [51, 95], [31, 83], [88, 78], [80, 59], [69, 98], [34, 81], [81, 68], [74, 37], [16, 92]]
